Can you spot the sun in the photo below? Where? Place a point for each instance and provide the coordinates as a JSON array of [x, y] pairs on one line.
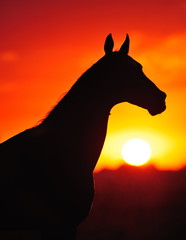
[[136, 152]]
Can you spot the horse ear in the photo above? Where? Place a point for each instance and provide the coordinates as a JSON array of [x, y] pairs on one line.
[[109, 44], [125, 47]]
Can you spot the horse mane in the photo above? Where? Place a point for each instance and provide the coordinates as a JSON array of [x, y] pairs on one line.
[[86, 81]]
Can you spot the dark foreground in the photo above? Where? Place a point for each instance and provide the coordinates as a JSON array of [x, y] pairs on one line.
[[134, 203]]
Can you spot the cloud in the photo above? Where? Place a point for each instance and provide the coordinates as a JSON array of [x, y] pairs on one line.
[[8, 56], [164, 58]]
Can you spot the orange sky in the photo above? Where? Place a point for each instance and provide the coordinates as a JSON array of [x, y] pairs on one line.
[[46, 45]]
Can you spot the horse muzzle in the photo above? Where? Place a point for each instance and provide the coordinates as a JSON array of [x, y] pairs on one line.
[[159, 106]]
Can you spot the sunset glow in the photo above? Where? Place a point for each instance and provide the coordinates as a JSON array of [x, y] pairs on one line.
[[136, 152], [45, 47]]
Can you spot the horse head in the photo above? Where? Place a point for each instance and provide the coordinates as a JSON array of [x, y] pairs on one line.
[[126, 81]]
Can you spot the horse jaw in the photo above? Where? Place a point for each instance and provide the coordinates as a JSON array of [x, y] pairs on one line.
[[157, 109]]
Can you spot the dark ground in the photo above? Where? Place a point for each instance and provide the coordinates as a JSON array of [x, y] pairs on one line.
[[132, 204], [137, 203]]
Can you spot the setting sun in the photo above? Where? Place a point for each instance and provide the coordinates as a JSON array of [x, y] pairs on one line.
[[136, 152], [92, 119], [39, 63]]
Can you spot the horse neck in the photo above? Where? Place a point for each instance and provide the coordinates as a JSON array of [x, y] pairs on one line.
[[81, 117], [84, 100]]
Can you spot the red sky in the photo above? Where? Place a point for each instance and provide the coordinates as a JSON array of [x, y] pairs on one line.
[[46, 45]]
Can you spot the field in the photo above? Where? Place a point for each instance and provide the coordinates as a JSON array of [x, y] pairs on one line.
[[137, 203]]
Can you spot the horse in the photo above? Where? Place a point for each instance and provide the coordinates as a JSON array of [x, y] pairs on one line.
[[46, 172]]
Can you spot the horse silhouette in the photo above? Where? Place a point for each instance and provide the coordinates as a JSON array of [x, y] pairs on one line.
[[46, 172]]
